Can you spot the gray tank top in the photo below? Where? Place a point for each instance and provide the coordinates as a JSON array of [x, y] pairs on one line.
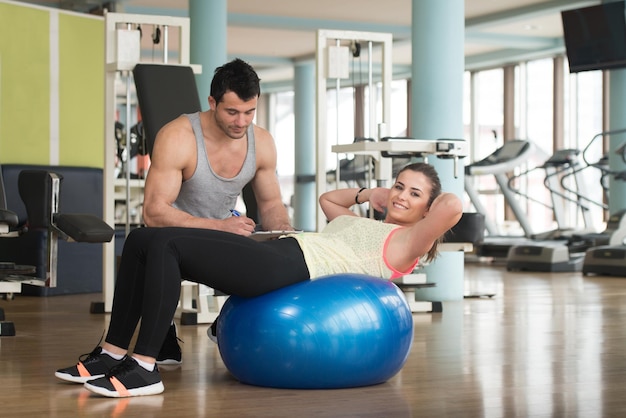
[[206, 194]]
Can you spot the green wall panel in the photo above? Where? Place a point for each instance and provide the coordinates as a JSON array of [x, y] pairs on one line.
[[24, 85], [26, 91], [81, 91]]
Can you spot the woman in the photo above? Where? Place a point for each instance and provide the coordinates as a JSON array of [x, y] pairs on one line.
[[155, 259]]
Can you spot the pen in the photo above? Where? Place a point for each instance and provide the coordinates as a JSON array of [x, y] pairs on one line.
[[235, 213]]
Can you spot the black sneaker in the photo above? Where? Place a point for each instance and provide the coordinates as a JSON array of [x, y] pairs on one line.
[[212, 331], [127, 379], [170, 350], [90, 366]]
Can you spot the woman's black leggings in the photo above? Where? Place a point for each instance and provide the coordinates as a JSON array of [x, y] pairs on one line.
[[155, 260]]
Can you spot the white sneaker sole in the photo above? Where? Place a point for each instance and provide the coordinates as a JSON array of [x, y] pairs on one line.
[[153, 389], [76, 379], [211, 336], [169, 361]]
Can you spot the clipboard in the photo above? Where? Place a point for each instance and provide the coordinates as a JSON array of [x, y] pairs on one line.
[[267, 235]]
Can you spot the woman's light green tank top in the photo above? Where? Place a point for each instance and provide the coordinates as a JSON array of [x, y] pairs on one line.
[[348, 244]]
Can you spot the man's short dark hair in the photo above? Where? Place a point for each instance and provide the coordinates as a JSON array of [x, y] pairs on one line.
[[236, 76]]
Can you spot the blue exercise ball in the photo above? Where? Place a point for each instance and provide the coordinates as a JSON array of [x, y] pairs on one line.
[[339, 331]]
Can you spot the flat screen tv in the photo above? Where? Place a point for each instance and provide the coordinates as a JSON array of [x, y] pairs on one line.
[[595, 37]]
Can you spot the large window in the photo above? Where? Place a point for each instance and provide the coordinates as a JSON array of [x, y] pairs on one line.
[[538, 85], [583, 123], [583, 113], [283, 130], [533, 119], [484, 113], [534, 104], [488, 114]]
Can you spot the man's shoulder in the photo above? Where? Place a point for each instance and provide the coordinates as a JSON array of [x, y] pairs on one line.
[[261, 134], [181, 128], [264, 141], [182, 122], [176, 138]]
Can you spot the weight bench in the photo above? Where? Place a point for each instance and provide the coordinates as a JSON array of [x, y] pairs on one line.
[[9, 271], [40, 193]]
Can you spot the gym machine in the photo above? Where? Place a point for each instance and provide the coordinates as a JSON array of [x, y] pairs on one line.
[[559, 250], [510, 156], [609, 258], [40, 193], [600, 253]]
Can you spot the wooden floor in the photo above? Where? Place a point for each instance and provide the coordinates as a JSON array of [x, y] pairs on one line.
[[547, 345]]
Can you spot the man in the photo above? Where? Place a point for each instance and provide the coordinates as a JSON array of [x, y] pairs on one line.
[[201, 162]]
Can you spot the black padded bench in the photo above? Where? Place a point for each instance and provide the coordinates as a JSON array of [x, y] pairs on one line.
[[40, 193]]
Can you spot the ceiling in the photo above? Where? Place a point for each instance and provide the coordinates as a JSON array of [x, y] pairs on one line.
[[272, 34]]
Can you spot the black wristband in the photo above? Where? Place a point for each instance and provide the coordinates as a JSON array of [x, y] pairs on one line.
[[356, 198]]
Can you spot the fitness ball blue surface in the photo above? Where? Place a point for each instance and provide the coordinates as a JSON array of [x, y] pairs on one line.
[[337, 331]]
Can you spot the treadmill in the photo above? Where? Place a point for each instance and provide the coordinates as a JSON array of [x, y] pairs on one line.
[[602, 253], [609, 259], [513, 154], [560, 250]]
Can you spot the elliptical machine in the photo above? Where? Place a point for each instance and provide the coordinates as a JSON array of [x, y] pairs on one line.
[[554, 251], [608, 257]]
